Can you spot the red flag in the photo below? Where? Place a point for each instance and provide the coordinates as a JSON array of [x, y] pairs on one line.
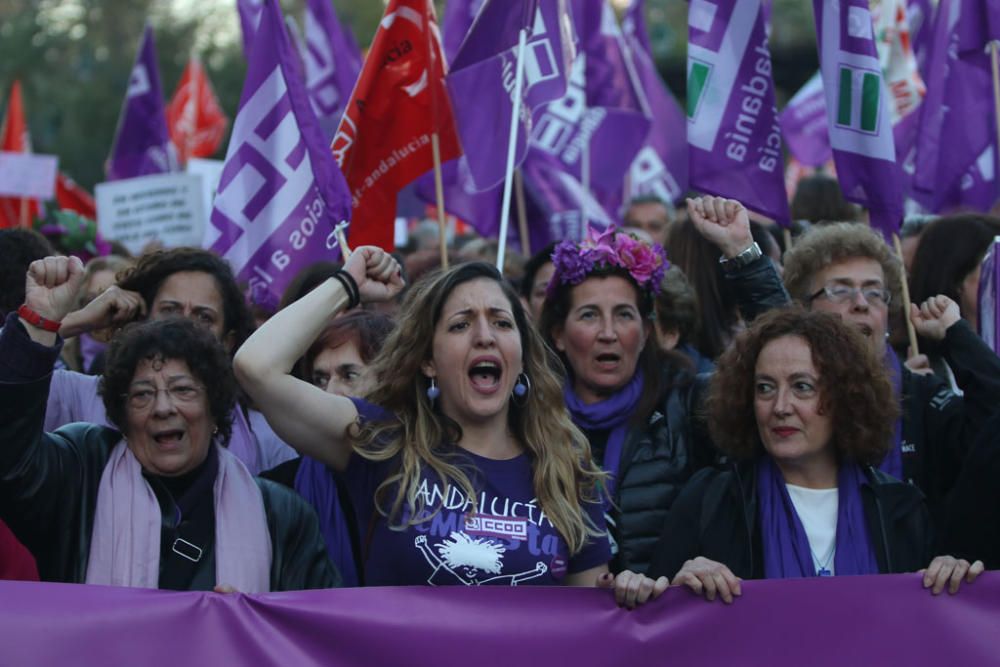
[[194, 117], [14, 137], [398, 104], [71, 197]]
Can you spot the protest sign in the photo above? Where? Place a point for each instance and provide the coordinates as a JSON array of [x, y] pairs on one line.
[[28, 175], [163, 207]]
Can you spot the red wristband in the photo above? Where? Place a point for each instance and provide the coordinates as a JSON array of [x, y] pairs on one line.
[[33, 318]]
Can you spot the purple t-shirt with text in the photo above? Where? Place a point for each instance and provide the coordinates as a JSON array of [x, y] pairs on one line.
[[507, 541]]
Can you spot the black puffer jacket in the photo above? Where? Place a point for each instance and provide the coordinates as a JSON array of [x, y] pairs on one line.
[[660, 457], [717, 517], [49, 484]]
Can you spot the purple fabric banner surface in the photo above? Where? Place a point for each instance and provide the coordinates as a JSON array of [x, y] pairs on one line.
[[281, 192], [249, 11], [559, 207], [482, 78], [661, 166], [858, 110], [955, 163], [332, 64], [733, 133], [864, 620], [459, 16], [600, 119], [804, 125], [142, 143]]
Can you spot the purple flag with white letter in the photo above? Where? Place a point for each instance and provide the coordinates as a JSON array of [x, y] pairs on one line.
[[481, 81], [281, 192], [661, 166], [142, 142], [733, 133], [559, 207], [954, 157], [858, 110], [459, 15], [600, 119], [332, 63], [804, 124]]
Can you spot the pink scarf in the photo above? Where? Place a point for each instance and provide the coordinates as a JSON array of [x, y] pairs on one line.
[[125, 545]]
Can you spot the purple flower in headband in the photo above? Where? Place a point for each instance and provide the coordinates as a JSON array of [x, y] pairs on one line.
[[572, 266], [573, 262]]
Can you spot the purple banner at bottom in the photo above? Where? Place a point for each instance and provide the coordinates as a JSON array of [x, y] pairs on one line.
[[888, 620]]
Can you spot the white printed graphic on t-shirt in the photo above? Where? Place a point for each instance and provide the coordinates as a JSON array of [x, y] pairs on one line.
[[469, 559]]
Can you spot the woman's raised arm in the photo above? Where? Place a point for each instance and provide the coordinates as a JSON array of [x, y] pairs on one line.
[[312, 421]]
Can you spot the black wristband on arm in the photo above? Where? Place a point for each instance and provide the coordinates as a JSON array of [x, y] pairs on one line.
[[350, 286]]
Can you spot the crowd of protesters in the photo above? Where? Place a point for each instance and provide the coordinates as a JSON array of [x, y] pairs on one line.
[[684, 400]]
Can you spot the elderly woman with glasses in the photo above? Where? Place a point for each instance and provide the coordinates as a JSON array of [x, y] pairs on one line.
[[848, 270], [158, 501]]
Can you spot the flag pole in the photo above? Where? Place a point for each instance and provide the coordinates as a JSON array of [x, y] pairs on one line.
[[439, 194], [786, 233], [911, 332], [522, 213], [995, 60], [522, 40]]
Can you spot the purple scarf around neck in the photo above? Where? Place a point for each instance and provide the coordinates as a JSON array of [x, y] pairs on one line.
[[786, 547], [893, 463], [317, 484], [612, 414]]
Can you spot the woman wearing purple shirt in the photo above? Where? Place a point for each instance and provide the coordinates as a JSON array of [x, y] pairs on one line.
[[465, 467]]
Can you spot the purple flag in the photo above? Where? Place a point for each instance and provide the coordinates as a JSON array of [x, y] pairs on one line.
[[989, 293], [733, 133], [957, 124], [661, 165], [332, 64], [600, 115], [921, 16], [858, 109], [634, 27], [559, 207], [804, 124], [481, 81], [281, 191], [882, 620], [142, 142], [461, 199], [249, 11], [459, 15]]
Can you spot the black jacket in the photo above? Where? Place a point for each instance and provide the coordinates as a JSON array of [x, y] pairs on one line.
[[717, 517], [49, 484], [659, 457], [939, 427]]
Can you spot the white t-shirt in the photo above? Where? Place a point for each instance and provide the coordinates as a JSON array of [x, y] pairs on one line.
[[817, 510]]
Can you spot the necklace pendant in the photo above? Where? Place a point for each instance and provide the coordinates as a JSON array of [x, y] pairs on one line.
[[823, 572]]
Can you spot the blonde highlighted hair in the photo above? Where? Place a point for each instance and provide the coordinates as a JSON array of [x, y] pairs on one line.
[[564, 474]]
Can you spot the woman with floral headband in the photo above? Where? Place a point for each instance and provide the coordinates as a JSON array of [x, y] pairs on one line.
[[635, 403]]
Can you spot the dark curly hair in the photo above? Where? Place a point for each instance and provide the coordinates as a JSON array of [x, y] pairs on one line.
[[854, 386], [153, 269], [178, 339], [18, 248]]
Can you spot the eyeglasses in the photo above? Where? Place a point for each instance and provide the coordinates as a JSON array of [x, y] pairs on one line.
[[140, 399], [876, 296]]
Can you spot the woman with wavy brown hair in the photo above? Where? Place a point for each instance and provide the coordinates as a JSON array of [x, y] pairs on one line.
[[805, 410], [462, 465]]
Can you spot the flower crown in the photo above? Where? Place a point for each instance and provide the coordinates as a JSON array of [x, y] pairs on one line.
[[574, 262]]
